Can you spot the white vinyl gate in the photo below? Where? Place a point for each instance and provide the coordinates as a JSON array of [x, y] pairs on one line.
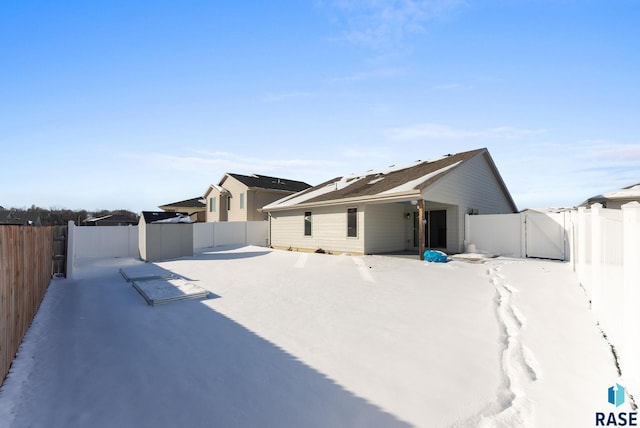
[[526, 234], [545, 236]]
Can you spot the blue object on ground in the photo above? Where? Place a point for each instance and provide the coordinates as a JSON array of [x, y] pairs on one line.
[[435, 256]]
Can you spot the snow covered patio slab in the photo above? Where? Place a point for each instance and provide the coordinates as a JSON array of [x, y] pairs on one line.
[[314, 340], [158, 291]]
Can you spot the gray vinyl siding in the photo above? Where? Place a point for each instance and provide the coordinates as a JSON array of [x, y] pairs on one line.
[[328, 230], [385, 228], [471, 185]]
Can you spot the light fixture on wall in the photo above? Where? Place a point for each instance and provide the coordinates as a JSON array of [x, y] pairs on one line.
[[407, 215]]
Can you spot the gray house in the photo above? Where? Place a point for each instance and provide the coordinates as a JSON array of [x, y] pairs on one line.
[[422, 205]]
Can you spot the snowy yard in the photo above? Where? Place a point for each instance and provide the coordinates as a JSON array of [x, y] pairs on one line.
[[311, 340]]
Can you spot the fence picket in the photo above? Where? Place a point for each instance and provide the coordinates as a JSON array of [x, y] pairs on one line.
[[26, 267]]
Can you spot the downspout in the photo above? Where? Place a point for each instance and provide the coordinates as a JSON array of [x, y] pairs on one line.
[[421, 225], [269, 230]]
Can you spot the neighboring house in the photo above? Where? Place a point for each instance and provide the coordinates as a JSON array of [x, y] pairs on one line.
[[195, 207], [20, 219], [380, 211], [239, 197], [615, 199]]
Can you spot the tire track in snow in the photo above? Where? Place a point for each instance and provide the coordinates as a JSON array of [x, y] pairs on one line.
[[518, 365]]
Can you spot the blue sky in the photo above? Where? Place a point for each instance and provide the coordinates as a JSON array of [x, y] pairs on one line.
[[133, 104]]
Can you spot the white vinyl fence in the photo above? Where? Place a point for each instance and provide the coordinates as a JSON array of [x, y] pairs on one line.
[[103, 241], [526, 234], [607, 263], [122, 241], [230, 233], [603, 247]]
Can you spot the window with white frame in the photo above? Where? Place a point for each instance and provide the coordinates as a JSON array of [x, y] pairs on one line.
[[352, 222], [307, 223]]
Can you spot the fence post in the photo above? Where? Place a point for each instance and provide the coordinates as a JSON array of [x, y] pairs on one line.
[[467, 233], [71, 253], [581, 242], [596, 257], [631, 275], [523, 235]]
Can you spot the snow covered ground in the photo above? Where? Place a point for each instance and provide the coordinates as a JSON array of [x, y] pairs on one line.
[[312, 340]]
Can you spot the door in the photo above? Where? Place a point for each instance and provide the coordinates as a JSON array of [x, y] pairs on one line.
[[545, 236], [435, 232], [437, 229]]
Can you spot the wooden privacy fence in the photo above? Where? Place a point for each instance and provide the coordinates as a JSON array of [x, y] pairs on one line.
[[26, 266]]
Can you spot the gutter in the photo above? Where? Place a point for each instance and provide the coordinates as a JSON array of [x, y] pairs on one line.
[[395, 197]]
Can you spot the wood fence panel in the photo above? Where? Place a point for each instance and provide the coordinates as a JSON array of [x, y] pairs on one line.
[[26, 267]]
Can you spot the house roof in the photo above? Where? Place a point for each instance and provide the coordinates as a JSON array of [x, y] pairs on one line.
[[163, 216], [270, 183], [22, 218], [196, 202], [386, 184], [219, 189], [629, 193], [111, 219]]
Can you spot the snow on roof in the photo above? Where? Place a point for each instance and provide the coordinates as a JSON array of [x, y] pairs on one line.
[[632, 191], [219, 188], [380, 183], [410, 185], [174, 220], [298, 198]]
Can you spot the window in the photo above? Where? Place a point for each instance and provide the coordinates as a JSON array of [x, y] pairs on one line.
[[352, 222], [241, 201], [228, 203], [212, 205], [307, 223]]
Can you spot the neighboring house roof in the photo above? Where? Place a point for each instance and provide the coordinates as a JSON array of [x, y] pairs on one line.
[[197, 202], [110, 220], [388, 184], [257, 182], [165, 217], [22, 219], [626, 194], [219, 189], [549, 210], [272, 183]]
